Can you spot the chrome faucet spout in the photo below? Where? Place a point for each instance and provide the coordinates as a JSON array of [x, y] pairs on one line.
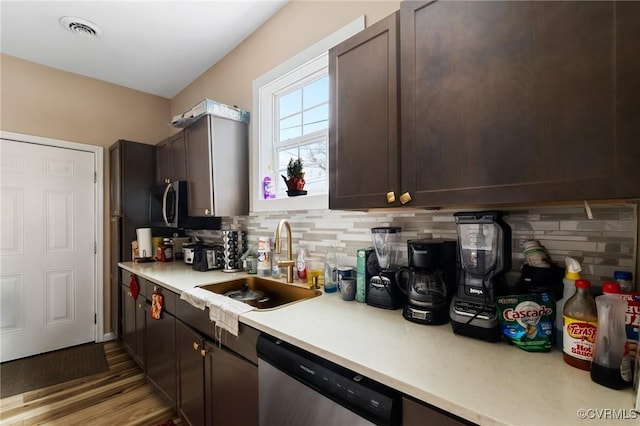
[[278, 248]]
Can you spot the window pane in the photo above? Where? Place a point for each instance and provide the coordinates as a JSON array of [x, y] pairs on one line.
[[316, 93], [314, 154], [290, 103], [290, 127], [316, 119]]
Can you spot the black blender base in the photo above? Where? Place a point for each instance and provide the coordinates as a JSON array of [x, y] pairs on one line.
[[425, 316], [491, 335]]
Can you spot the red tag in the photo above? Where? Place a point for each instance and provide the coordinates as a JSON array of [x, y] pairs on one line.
[[133, 286], [156, 305]]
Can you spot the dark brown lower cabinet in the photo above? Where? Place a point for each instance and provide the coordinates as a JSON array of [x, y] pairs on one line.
[[190, 374], [215, 386], [415, 413], [231, 388], [133, 325], [160, 339]]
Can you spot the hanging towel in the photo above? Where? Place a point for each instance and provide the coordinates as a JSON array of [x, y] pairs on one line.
[[223, 310], [133, 287]]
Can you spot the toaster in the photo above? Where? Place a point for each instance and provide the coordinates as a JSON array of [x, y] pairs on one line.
[[207, 257]]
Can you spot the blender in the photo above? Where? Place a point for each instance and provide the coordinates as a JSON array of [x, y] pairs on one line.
[[382, 289], [429, 281], [484, 246]]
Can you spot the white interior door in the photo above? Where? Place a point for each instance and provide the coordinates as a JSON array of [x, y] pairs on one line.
[[47, 259]]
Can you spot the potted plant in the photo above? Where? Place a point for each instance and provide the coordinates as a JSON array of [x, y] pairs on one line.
[[295, 178]]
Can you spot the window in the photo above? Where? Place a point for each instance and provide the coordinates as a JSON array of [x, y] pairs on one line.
[[290, 120]]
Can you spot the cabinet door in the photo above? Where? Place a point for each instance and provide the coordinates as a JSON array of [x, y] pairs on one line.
[[231, 388], [128, 321], [133, 324], [191, 377], [163, 162], [363, 128], [171, 159], [115, 179], [160, 339], [178, 157], [418, 414], [507, 102], [200, 195]]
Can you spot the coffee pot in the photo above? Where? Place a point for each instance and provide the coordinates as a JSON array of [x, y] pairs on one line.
[[428, 281]]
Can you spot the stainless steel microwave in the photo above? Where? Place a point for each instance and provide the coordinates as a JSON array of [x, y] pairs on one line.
[[168, 205]]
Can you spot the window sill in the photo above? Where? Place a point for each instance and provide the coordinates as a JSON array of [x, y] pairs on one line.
[[304, 202]]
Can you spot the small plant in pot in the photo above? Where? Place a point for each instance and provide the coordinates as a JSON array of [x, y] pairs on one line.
[[295, 178]]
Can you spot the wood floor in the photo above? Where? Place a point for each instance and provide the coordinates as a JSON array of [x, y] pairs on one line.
[[117, 397]]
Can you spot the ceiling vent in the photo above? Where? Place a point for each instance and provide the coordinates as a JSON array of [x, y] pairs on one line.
[[80, 27]]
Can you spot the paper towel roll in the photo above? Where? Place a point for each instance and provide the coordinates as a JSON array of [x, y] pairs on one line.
[[145, 247]]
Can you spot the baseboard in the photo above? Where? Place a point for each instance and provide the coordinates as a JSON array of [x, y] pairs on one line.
[[108, 336]]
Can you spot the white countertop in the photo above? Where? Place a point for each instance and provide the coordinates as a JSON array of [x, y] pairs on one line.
[[486, 383]]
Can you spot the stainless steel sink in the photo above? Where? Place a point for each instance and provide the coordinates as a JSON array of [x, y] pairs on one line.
[[279, 293]]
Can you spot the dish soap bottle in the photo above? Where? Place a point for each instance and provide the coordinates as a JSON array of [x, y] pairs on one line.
[[269, 185], [572, 273], [611, 367], [580, 322]]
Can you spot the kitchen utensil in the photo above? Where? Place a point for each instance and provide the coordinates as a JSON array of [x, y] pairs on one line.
[[429, 281], [347, 288], [382, 290], [254, 298], [484, 242]]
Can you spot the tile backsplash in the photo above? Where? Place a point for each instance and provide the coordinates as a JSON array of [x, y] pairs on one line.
[[602, 245]]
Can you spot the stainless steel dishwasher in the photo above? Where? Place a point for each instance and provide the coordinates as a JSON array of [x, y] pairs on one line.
[[298, 388]]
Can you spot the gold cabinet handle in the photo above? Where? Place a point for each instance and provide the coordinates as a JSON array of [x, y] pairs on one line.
[[405, 198], [391, 197], [206, 211], [196, 346], [130, 295], [203, 352]]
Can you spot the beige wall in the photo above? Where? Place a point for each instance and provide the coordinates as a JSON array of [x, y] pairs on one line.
[[298, 25], [43, 101]]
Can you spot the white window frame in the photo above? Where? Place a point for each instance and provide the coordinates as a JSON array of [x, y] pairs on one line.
[[262, 121]]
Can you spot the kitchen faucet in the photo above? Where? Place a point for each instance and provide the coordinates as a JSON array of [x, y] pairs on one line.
[[278, 248]]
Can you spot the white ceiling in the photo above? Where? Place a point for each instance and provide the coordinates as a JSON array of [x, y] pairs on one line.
[[157, 47]]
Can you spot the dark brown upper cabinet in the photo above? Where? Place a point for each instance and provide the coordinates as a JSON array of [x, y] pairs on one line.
[[217, 158], [363, 127], [500, 103], [507, 102], [171, 163]]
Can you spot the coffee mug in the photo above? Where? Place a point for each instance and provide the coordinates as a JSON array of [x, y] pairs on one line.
[[344, 272], [347, 288]]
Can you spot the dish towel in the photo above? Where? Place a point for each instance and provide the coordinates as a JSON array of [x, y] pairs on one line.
[[223, 310]]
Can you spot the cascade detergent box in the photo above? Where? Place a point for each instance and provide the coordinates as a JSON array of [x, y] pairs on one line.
[[366, 267], [632, 320]]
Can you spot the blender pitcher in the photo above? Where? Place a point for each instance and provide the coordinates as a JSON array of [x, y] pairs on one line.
[[385, 242]]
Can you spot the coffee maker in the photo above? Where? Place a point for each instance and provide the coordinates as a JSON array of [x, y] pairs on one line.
[[484, 246], [382, 289], [429, 281]]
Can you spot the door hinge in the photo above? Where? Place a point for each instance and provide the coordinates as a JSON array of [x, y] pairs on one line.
[[95, 177], [95, 318], [95, 248]]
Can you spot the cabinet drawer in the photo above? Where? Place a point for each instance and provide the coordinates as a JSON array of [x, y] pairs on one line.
[[244, 344]]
